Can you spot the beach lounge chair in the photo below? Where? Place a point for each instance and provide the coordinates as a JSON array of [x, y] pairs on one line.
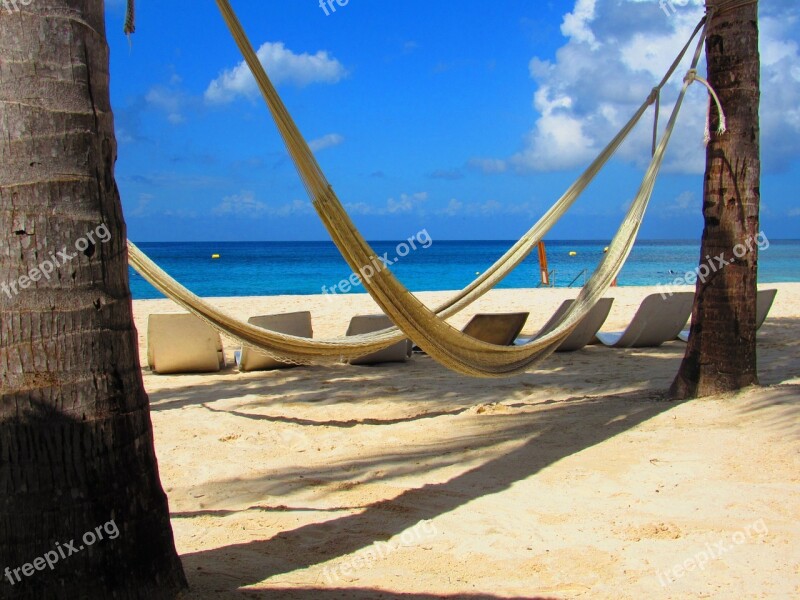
[[500, 329], [182, 343], [657, 320], [399, 352], [296, 323], [764, 300], [584, 333]]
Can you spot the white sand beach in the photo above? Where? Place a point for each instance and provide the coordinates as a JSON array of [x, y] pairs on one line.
[[577, 479]]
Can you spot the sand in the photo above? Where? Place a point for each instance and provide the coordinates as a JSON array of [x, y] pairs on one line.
[[576, 479]]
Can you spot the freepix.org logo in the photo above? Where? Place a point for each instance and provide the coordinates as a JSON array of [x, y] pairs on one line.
[[329, 6], [56, 260], [62, 551], [12, 6]]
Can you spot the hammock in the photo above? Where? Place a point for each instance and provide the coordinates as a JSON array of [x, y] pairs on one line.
[[428, 329]]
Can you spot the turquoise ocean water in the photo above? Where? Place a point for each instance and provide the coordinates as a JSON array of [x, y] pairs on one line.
[[274, 268]]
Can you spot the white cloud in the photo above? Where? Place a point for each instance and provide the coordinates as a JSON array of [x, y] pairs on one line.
[[123, 136], [558, 139], [326, 141], [296, 207], [405, 204], [795, 212], [684, 204], [454, 208], [615, 53], [282, 65], [142, 207], [490, 208], [576, 24], [169, 101], [242, 204], [245, 204], [419, 204], [488, 165]]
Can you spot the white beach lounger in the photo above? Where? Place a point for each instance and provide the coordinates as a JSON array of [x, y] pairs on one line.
[[657, 320], [500, 329], [584, 333], [399, 352], [182, 343], [296, 323]]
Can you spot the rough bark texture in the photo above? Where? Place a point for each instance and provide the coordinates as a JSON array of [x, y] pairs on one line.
[[721, 353], [76, 442]]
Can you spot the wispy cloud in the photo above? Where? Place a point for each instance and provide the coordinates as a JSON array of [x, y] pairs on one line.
[[684, 203], [447, 174], [282, 65], [169, 100], [488, 165], [245, 204], [404, 204], [489, 208], [142, 207], [326, 141], [178, 180]]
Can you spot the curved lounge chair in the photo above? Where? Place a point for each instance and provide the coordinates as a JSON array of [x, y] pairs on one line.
[[399, 352], [657, 320], [584, 333], [296, 323], [182, 343], [500, 329]]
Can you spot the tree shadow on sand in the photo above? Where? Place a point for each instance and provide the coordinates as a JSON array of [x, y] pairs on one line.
[[584, 408], [369, 594], [552, 434]]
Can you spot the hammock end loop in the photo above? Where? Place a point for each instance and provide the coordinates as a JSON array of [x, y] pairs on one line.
[[130, 19], [723, 125]]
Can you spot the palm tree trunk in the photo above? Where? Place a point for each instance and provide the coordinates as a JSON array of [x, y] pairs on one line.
[[82, 510], [721, 353]]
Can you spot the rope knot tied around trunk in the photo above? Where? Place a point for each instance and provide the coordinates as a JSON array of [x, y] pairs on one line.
[[691, 77]]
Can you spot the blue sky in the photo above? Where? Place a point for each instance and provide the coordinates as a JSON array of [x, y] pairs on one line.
[[464, 118]]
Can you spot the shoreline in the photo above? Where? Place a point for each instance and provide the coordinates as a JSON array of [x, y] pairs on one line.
[[654, 287]]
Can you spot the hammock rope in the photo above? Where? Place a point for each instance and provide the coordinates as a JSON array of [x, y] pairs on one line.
[[428, 329], [130, 18], [692, 76]]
